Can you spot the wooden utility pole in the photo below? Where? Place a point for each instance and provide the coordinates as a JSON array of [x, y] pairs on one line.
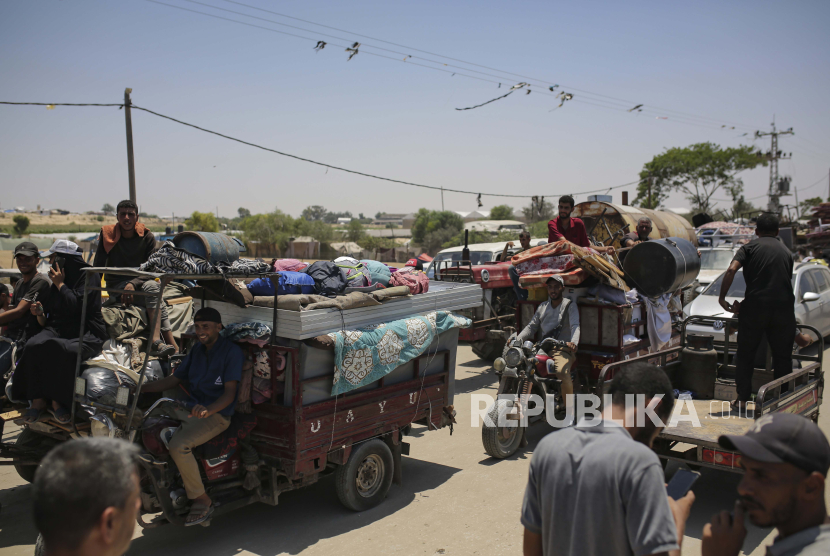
[[130, 159]]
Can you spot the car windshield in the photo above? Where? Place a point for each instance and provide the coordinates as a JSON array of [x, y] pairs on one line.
[[738, 288], [446, 260], [715, 259]]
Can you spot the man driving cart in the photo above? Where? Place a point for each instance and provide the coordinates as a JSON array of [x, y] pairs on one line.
[[211, 370], [557, 320]]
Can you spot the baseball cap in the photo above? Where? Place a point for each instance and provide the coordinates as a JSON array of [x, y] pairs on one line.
[[27, 249], [412, 262], [61, 246], [207, 314], [557, 278], [783, 438]]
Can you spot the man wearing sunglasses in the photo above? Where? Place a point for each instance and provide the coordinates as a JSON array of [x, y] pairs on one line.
[[129, 243]]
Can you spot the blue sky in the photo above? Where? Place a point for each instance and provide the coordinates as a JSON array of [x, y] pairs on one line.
[[737, 62]]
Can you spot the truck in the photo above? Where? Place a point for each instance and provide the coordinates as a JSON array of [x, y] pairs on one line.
[[695, 363]]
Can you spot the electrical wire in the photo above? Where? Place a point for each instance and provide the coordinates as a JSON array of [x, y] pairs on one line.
[[628, 103], [678, 116], [433, 187]]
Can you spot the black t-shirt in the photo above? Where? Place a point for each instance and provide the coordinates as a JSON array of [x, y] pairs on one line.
[[768, 270], [25, 291], [130, 253]]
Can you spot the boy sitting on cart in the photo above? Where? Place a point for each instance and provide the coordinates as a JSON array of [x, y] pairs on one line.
[[211, 370]]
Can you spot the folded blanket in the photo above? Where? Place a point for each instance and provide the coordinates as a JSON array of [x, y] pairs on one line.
[[561, 247]]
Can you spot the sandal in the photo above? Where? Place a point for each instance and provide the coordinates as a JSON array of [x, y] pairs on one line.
[[61, 415], [33, 415], [203, 511]]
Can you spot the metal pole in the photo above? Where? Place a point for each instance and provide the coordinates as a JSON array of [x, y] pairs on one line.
[[442, 199], [130, 159]]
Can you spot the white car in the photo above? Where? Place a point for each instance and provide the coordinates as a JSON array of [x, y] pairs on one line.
[[713, 262], [811, 285], [479, 253]]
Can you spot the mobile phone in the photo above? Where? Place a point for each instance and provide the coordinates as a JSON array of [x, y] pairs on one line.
[[58, 264], [681, 482]]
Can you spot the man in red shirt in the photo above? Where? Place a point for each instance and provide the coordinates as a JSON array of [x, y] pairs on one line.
[[572, 229]]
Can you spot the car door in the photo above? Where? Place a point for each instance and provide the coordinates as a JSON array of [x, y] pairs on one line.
[[822, 279], [809, 312]]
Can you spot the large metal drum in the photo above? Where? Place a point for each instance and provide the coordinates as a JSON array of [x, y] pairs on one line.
[[614, 217], [212, 246], [661, 266]]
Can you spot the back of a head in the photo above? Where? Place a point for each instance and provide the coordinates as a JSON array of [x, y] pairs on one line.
[[642, 378], [767, 223], [76, 482]]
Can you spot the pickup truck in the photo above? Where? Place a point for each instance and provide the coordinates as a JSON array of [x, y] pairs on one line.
[[799, 392]]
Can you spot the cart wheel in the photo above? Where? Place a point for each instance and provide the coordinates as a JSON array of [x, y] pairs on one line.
[[27, 439], [500, 442], [488, 350], [40, 548], [365, 479]]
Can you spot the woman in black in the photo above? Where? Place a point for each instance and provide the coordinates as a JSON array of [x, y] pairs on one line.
[[46, 372]]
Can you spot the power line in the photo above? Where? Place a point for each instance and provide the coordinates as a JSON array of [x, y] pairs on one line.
[[628, 103], [678, 116], [436, 188]]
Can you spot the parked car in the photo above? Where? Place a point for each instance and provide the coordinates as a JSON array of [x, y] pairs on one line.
[[480, 253], [811, 285], [713, 262]]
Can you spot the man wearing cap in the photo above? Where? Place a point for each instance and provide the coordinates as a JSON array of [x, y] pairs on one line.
[[556, 318], [785, 458], [18, 319], [128, 244], [211, 370]]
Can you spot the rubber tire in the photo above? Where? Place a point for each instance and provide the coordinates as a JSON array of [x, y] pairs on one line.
[[40, 547], [27, 472], [488, 350], [347, 474], [489, 435]]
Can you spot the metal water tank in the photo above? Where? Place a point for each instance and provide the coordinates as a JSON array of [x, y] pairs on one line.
[[661, 266], [212, 246], [664, 224]]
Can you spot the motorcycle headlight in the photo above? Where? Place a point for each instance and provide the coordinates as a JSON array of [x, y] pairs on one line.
[[513, 357], [499, 364]]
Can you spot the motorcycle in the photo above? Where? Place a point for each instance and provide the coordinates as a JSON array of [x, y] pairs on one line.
[[229, 476], [524, 371]]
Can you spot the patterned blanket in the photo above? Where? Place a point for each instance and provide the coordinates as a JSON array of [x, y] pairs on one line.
[[367, 354]]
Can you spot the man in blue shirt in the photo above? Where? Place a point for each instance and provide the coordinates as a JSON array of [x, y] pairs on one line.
[[212, 370]]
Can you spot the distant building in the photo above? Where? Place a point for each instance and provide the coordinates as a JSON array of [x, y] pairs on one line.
[[388, 218], [473, 215], [344, 220], [495, 226]]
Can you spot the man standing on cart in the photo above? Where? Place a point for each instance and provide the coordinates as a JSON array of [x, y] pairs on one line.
[[128, 243], [572, 229], [768, 305], [212, 370]]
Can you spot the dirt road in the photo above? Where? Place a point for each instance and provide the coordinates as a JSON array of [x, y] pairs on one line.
[[454, 500]]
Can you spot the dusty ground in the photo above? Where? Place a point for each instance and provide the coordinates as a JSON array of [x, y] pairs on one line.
[[454, 500], [36, 219]]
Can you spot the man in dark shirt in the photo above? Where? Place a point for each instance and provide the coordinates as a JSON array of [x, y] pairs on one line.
[[129, 244], [33, 286], [644, 228], [212, 371], [768, 305], [572, 229]]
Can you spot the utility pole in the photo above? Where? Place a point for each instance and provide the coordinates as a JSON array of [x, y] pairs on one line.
[[442, 198], [650, 180], [130, 159], [776, 187]]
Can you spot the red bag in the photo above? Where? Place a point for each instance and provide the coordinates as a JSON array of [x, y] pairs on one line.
[[416, 280]]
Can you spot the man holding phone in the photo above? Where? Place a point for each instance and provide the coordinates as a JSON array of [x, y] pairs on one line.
[[614, 501], [128, 243], [786, 458]]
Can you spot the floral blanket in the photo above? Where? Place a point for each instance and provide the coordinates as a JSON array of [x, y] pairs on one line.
[[559, 263], [367, 354]]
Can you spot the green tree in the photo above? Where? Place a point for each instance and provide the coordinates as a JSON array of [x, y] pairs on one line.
[[741, 208], [538, 229], [21, 223], [539, 211], [274, 228], [501, 212], [202, 222], [315, 212], [107, 208], [317, 229], [805, 206], [698, 171], [354, 231], [243, 212], [433, 228]]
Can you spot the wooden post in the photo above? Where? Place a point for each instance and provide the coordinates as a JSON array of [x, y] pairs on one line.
[[130, 159], [625, 198]]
